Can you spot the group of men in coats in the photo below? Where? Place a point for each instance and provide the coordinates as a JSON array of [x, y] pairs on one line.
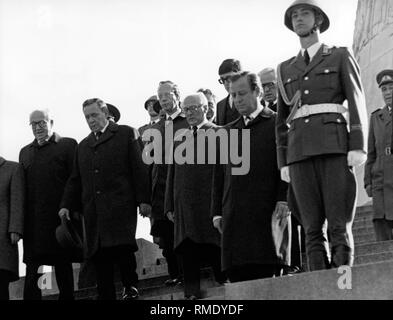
[[301, 161]]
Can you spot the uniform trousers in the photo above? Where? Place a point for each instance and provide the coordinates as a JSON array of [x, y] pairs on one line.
[[4, 285], [325, 192]]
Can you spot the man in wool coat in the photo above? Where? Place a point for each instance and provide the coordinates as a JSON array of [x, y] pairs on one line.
[[243, 205], [47, 163], [108, 183], [187, 200]]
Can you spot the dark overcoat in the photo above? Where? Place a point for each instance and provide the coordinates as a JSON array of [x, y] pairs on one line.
[[247, 202], [379, 166], [47, 169], [12, 196], [109, 180], [160, 225], [188, 195]]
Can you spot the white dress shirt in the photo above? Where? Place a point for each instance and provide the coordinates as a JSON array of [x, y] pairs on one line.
[[312, 50]]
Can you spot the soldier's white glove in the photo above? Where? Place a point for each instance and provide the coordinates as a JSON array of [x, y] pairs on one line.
[[285, 174], [356, 158]]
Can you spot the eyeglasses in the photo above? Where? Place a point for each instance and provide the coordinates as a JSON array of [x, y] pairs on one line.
[[191, 108], [41, 124], [222, 80]]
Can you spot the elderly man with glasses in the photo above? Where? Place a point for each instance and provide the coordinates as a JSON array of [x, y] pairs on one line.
[[47, 163], [187, 201]]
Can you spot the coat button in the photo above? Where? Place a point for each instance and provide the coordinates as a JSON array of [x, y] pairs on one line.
[[339, 120], [98, 192], [306, 78], [306, 92], [327, 71], [289, 80], [307, 120], [96, 171]]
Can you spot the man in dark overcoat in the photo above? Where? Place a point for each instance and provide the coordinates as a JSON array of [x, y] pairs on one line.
[[226, 111], [378, 174], [12, 200], [188, 199], [108, 182], [243, 205], [320, 139], [47, 163], [162, 227]]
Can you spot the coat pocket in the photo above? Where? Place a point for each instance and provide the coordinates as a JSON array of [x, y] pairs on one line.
[[327, 77], [335, 131]]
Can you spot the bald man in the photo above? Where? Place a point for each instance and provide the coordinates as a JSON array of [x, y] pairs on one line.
[[187, 202], [47, 163]]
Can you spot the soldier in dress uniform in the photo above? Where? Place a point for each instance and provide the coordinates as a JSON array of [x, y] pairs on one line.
[[269, 86], [378, 175], [319, 140]]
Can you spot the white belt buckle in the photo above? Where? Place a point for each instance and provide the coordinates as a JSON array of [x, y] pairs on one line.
[[388, 151]]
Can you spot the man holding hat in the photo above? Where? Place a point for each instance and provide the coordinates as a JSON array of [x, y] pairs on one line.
[[319, 140], [113, 113], [109, 181], [226, 111], [269, 86], [378, 174]]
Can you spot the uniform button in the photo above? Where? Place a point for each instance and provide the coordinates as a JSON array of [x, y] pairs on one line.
[[98, 192], [327, 71], [289, 80], [306, 92], [307, 120], [96, 171], [339, 120], [306, 78]]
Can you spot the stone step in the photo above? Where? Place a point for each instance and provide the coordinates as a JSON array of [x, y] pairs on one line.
[[362, 223], [368, 282], [364, 212], [373, 248], [364, 239], [363, 231], [207, 293], [373, 258]]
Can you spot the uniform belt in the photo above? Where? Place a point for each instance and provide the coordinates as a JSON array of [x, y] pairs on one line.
[[311, 109]]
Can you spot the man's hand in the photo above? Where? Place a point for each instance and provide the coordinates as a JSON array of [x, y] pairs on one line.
[[171, 216], [356, 158], [369, 191], [145, 210], [285, 174], [64, 212], [15, 237], [217, 223], [282, 210]]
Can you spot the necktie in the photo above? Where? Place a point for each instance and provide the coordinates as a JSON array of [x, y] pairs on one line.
[[98, 135], [194, 131], [248, 120], [169, 119], [306, 57]]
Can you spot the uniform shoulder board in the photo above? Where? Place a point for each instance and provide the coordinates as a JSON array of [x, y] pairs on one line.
[[376, 111]]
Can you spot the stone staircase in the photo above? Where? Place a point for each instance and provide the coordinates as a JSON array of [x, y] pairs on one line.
[[372, 277]]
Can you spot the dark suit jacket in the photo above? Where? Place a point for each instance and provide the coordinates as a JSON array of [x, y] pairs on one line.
[[225, 114], [109, 180], [333, 76], [247, 202]]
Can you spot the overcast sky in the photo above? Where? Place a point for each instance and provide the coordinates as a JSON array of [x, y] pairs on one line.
[[55, 54]]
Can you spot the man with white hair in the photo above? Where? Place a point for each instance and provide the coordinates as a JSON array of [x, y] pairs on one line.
[[47, 163], [187, 201], [269, 86]]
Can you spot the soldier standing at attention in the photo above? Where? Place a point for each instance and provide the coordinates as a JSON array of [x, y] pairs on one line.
[[319, 140]]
